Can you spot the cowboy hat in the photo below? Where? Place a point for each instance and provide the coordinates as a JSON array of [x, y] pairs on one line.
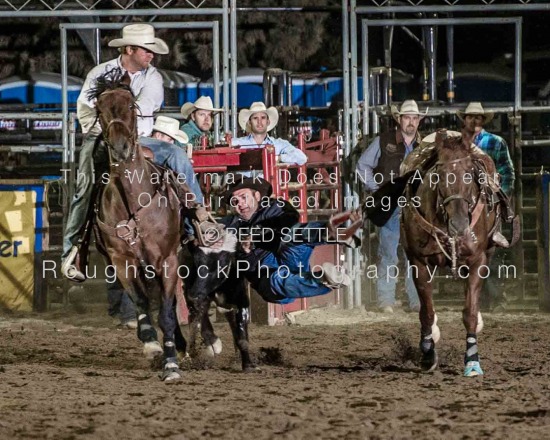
[[258, 107], [142, 35], [256, 183], [203, 103], [409, 107], [475, 108], [430, 139], [170, 127]]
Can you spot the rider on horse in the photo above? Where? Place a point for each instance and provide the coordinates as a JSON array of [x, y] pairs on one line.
[[421, 161], [137, 47]]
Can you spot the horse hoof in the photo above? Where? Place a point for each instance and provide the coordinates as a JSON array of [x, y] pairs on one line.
[[171, 375], [251, 369], [436, 333], [152, 349], [473, 369], [479, 322], [214, 349], [429, 362]]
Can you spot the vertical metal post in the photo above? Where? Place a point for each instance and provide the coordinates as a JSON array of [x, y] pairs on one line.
[[234, 66], [225, 61], [366, 76], [517, 67], [355, 263], [450, 64], [387, 95], [64, 100], [517, 156], [432, 54], [354, 97], [216, 71], [348, 296], [97, 46]]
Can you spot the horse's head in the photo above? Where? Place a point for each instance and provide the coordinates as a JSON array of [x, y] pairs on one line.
[[116, 111], [457, 188]]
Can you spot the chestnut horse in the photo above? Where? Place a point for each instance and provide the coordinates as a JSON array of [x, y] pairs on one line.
[[449, 221], [138, 228], [138, 222]]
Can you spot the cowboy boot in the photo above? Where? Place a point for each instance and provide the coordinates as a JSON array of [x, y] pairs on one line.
[[69, 267]]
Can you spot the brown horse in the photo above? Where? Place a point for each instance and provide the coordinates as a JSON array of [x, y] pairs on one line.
[[449, 221], [138, 226], [138, 221]]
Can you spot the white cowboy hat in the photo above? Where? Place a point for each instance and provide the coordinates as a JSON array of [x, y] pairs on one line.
[[170, 127], [409, 107], [203, 103], [142, 35], [475, 108], [258, 107]]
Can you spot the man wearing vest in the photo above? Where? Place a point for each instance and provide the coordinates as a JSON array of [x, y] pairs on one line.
[[379, 164]]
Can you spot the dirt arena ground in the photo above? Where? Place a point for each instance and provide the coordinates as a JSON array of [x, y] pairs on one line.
[[331, 375]]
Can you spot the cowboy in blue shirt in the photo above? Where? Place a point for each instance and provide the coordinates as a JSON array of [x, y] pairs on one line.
[[258, 121]]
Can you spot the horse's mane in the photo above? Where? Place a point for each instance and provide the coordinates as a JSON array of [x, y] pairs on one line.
[[455, 144], [111, 80]]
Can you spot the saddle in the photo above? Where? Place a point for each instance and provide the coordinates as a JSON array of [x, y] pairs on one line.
[[207, 230]]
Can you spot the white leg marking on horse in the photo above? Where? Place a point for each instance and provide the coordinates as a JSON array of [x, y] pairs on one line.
[[214, 349], [436, 333], [479, 323], [152, 349]]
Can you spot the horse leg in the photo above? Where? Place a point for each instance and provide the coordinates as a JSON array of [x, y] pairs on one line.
[[137, 288], [429, 331], [198, 308], [213, 344], [238, 321], [168, 322], [472, 319]]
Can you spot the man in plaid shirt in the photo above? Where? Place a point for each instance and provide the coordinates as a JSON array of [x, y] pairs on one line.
[[474, 118]]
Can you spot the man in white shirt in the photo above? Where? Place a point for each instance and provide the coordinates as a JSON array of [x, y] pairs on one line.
[[137, 47], [258, 121]]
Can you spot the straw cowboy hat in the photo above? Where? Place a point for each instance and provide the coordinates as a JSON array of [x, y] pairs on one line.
[[475, 108], [409, 107], [142, 35], [170, 127], [258, 107], [203, 103]]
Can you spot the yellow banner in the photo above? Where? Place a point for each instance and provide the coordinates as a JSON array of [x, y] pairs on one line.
[[17, 235]]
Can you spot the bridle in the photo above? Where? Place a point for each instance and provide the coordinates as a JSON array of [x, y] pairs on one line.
[[442, 237], [131, 137]]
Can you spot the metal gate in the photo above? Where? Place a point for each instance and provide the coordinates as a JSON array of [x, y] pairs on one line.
[[477, 14]]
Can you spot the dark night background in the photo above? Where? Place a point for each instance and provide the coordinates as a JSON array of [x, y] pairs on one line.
[[302, 42]]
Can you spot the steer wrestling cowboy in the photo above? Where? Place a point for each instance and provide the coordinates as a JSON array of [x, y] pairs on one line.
[[275, 248]]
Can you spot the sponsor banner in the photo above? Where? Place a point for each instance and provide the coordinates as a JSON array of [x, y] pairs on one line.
[[20, 239]]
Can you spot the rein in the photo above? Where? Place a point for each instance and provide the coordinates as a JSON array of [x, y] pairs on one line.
[[440, 236]]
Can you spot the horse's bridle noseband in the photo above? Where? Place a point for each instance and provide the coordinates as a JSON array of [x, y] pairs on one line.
[[131, 138]]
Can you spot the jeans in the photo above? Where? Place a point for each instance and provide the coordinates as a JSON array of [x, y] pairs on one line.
[[290, 272], [176, 159], [165, 154], [84, 185], [388, 236]]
